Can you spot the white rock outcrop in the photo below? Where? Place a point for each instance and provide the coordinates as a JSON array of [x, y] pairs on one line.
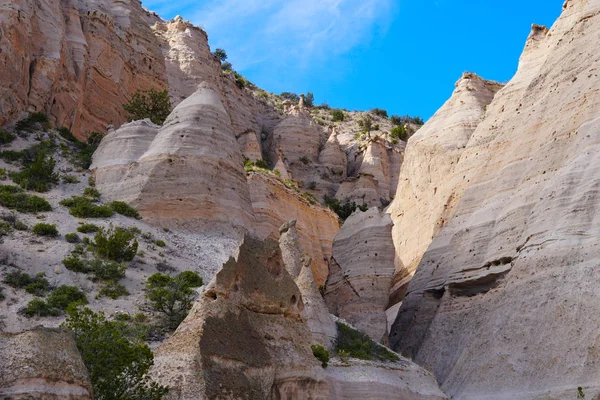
[[503, 303]]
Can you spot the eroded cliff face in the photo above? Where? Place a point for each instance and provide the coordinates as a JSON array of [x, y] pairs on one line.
[[44, 364], [428, 191], [249, 337], [510, 280], [361, 271]]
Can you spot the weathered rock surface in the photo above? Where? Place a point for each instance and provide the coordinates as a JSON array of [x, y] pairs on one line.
[[399, 380], [315, 313], [361, 271], [274, 204], [77, 61], [245, 337], [42, 364], [426, 195], [503, 302], [191, 174]]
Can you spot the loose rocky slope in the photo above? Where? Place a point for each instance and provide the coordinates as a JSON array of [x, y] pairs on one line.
[[503, 301]]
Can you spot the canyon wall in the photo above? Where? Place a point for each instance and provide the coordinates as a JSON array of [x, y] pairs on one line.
[[509, 281]]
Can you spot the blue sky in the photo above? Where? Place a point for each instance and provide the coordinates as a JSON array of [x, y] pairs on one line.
[[403, 56]]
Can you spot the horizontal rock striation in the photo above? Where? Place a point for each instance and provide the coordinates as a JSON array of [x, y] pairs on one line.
[[44, 364], [361, 271], [503, 302], [427, 192]]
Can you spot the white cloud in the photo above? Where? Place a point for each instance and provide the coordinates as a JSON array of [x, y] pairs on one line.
[[290, 33]]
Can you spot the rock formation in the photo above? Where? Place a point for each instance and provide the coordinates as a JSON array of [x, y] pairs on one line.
[[274, 204], [361, 271], [503, 302], [245, 337], [173, 182], [315, 312], [425, 198], [42, 364]]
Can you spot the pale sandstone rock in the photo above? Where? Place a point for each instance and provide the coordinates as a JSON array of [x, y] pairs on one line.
[[274, 204], [503, 304], [245, 337], [250, 146], [315, 313], [42, 363], [361, 272], [399, 380], [120, 150], [192, 173], [425, 198]]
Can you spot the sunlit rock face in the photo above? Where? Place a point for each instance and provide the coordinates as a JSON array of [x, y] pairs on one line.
[[503, 302], [191, 174]]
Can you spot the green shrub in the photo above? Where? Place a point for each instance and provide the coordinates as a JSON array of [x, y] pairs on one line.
[[88, 228], [380, 112], [37, 285], [6, 138], [92, 181], [290, 96], [12, 197], [220, 54], [359, 345], [92, 193], [1, 294], [399, 132], [309, 99], [5, 228], [67, 134], [76, 264], [120, 207], [105, 270], [38, 176], [304, 160], [116, 244], [160, 243], [407, 119], [64, 295], [337, 115], [3, 174], [262, 164], [36, 120], [40, 308], [43, 229], [70, 179], [72, 238], [321, 354], [117, 361], [172, 297], [83, 155], [113, 290], [343, 209], [152, 104], [82, 207]]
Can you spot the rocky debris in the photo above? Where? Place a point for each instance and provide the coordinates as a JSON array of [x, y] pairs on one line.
[[315, 313], [361, 271], [503, 303], [42, 363], [274, 204], [427, 193]]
